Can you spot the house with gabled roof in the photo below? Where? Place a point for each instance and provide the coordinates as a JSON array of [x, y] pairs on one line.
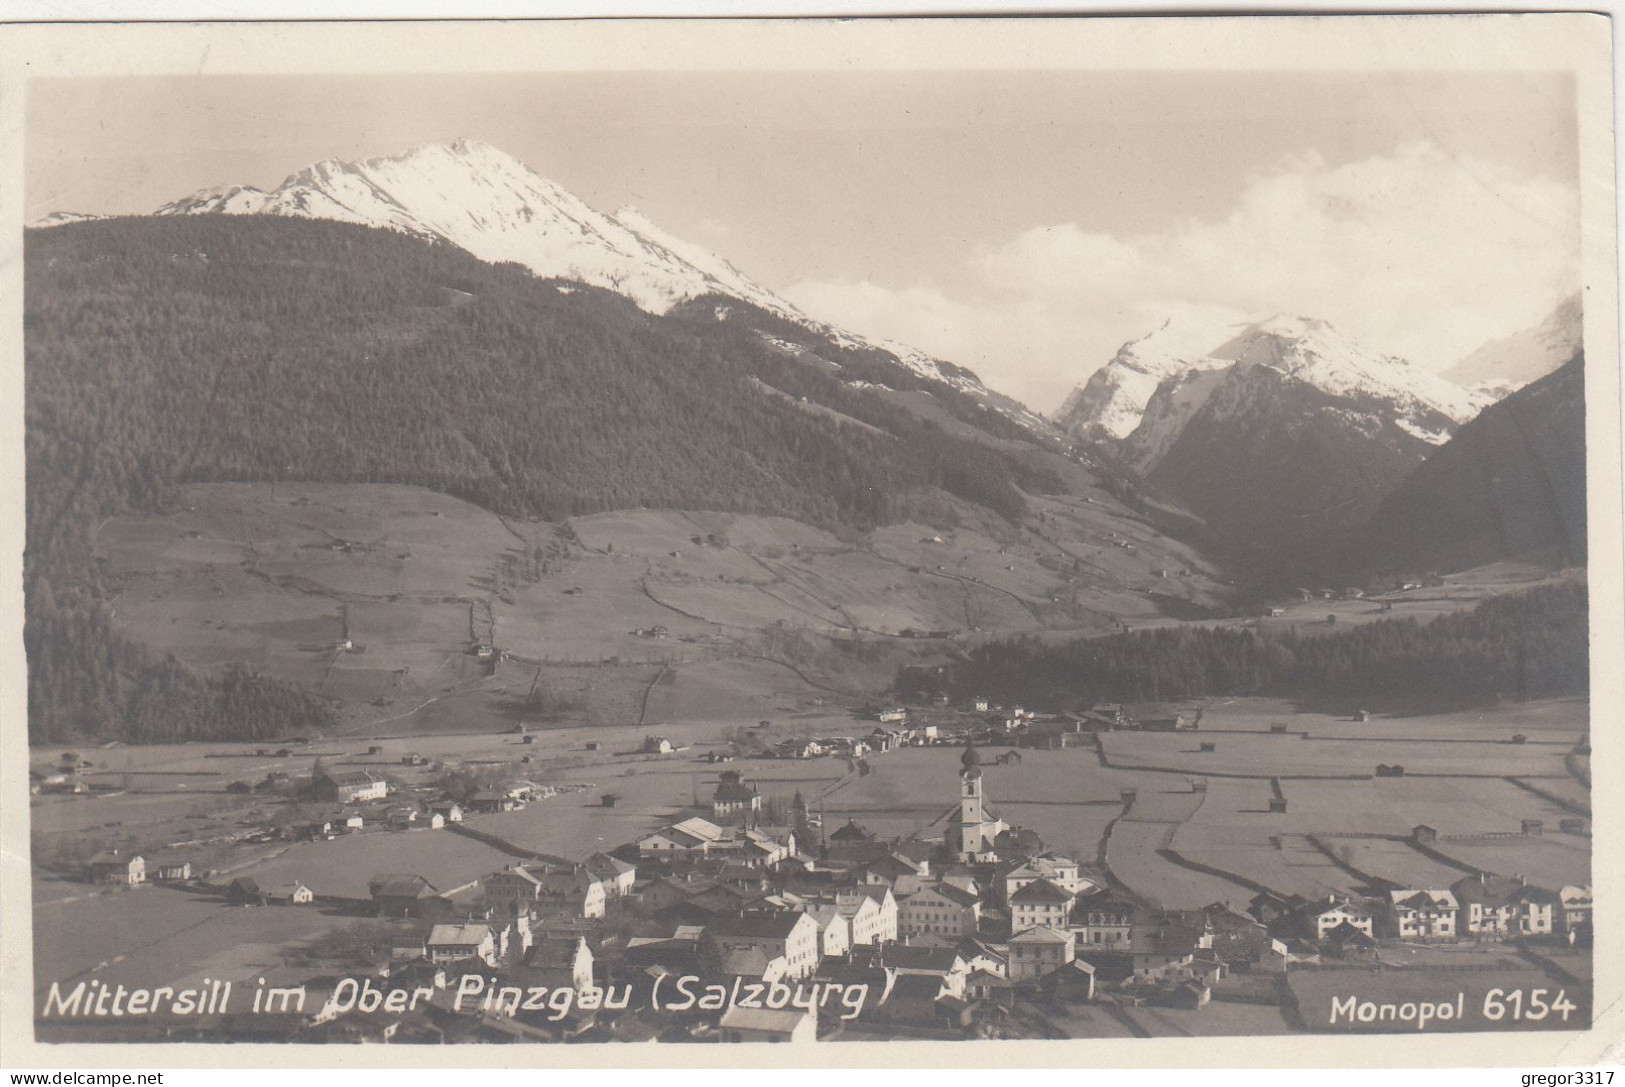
[[452, 943], [790, 936], [1314, 920], [940, 909], [1039, 903], [1428, 915], [1538, 910], [515, 890], [733, 797], [347, 786], [872, 912], [552, 959], [834, 929], [401, 894], [117, 866], [569, 895], [617, 876], [1038, 952], [794, 1025], [1487, 907]]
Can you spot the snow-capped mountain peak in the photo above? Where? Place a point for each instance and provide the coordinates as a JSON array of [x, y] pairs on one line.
[[481, 198], [1313, 351]]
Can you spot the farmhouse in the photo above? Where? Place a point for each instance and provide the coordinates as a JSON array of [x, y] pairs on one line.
[[733, 797], [171, 869], [656, 745], [401, 895], [290, 894], [346, 786], [114, 866]]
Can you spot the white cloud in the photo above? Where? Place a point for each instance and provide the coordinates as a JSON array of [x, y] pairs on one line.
[[1416, 252]]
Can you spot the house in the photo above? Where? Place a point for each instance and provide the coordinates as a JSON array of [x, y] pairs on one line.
[[1040, 904], [171, 869], [1167, 946], [617, 876], [489, 801], [1538, 910], [450, 812], [346, 786], [733, 797], [945, 964], [514, 891], [567, 957], [834, 930], [402, 895], [1487, 908], [656, 745], [115, 866], [453, 943], [572, 895], [1317, 919], [1576, 904], [1422, 834], [1428, 915], [871, 912], [794, 937], [942, 909], [1038, 952], [1063, 872], [244, 891], [1103, 923], [290, 894], [768, 1025], [690, 836], [1347, 942]]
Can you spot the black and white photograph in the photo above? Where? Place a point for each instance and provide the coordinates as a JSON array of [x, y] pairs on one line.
[[809, 533]]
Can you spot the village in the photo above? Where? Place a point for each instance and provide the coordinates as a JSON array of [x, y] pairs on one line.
[[971, 927]]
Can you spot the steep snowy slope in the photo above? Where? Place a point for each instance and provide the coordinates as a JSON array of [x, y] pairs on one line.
[[1111, 403], [1502, 365]]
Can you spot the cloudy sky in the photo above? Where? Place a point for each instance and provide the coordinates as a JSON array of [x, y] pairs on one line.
[[1024, 224]]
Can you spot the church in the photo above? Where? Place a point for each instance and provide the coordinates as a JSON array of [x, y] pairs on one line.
[[972, 834]]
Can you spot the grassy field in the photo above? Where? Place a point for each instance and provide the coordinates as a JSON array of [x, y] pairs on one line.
[[343, 866], [276, 577], [1294, 756], [154, 936]]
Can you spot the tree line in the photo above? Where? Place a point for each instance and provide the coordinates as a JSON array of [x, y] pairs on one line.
[[1522, 646]]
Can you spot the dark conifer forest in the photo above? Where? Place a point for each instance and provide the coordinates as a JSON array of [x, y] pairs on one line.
[[1529, 645]]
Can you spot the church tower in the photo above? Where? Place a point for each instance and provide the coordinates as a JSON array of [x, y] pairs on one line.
[[972, 808]]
